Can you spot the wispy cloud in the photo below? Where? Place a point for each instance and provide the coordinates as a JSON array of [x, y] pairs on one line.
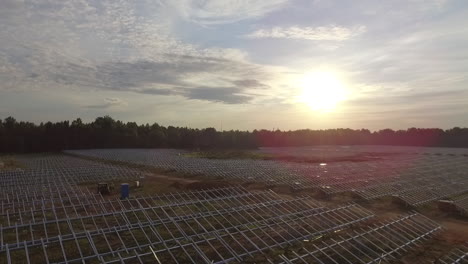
[[209, 12], [249, 83], [117, 46], [109, 102], [229, 95], [334, 33]]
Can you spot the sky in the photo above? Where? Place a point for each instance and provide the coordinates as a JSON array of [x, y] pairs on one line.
[[237, 64]]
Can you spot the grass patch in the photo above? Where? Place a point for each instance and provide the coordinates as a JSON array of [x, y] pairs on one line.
[[8, 163]]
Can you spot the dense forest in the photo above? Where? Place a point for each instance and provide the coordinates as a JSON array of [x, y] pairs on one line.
[[105, 132]]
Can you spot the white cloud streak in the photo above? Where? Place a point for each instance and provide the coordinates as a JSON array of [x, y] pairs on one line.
[[210, 12], [333, 33], [108, 103]]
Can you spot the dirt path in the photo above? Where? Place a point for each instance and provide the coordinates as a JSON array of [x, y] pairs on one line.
[[171, 178]]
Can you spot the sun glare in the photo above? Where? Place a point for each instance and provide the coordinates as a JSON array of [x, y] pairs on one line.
[[322, 91]]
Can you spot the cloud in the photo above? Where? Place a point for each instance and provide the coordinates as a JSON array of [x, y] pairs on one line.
[[157, 91], [249, 83], [171, 70], [180, 76], [228, 95], [209, 12], [172, 78], [429, 4], [186, 53], [424, 98], [109, 102], [333, 33], [118, 46]]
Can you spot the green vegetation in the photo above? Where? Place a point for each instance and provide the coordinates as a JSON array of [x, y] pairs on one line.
[[105, 132], [8, 163]]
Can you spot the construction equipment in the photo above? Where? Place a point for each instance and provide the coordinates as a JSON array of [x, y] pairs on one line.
[[103, 188]]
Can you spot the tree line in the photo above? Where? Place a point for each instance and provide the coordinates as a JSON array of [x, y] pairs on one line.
[[105, 132]]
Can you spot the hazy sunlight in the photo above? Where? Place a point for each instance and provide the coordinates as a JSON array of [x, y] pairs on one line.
[[321, 91]]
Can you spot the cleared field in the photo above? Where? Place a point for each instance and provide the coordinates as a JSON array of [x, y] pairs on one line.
[[50, 213], [411, 175], [54, 177]]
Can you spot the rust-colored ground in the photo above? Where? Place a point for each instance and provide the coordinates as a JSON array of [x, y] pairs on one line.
[[455, 226]]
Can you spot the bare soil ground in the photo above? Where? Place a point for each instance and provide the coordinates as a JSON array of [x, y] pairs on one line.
[[250, 154], [455, 231]]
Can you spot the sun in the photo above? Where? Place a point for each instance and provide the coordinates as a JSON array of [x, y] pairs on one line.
[[321, 90]]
